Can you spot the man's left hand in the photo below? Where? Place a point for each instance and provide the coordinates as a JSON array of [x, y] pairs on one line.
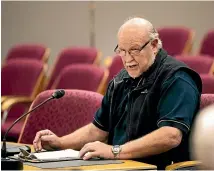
[[96, 149]]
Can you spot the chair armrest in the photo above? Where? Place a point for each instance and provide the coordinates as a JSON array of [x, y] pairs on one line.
[[98, 58], [184, 164], [9, 102], [211, 72], [107, 61], [3, 98]]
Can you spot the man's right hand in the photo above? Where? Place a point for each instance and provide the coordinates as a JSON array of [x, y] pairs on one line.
[[47, 140]]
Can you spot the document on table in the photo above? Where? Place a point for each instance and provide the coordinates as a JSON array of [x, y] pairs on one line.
[[48, 156], [56, 155]]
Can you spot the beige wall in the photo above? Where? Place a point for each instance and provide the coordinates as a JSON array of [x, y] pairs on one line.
[[55, 24], [60, 24]]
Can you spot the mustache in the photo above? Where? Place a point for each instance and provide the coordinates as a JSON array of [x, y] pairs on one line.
[[130, 64]]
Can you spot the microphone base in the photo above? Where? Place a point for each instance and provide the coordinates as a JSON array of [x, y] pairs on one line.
[[11, 164]]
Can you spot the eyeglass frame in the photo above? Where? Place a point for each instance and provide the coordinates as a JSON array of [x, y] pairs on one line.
[[140, 49]]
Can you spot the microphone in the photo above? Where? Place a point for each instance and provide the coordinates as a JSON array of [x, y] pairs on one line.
[[58, 94], [11, 164]]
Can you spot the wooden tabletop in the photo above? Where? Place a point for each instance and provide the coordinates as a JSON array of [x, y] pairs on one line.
[[126, 165]]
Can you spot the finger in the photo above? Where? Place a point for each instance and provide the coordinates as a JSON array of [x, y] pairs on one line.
[[87, 148], [47, 137], [90, 155], [45, 142], [36, 145], [82, 152], [41, 133], [49, 132], [37, 140]]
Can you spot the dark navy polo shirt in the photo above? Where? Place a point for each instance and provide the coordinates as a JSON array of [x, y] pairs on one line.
[[176, 107]]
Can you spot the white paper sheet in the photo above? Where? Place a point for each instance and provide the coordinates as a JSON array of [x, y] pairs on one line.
[[52, 155]]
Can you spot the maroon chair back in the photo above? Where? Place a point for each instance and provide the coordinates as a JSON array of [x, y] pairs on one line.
[[176, 40], [29, 51], [207, 44], [72, 55], [83, 77], [62, 116], [201, 64], [115, 67], [207, 84], [206, 100], [20, 76]]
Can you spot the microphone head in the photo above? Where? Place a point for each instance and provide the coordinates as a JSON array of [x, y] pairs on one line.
[[58, 94]]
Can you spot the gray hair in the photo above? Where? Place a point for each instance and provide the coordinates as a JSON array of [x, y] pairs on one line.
[[153, 34]]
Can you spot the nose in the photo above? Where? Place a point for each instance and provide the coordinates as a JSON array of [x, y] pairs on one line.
[[128, 58]]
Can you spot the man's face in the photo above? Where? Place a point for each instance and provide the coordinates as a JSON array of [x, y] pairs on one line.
[[130, 42]]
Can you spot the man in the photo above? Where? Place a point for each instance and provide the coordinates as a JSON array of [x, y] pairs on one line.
[[148, 109]]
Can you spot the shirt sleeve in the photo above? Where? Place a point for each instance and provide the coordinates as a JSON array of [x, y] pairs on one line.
[[179, 102], [101, 118]]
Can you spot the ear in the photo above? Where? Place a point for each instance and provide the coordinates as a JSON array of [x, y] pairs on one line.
[[154, 45]]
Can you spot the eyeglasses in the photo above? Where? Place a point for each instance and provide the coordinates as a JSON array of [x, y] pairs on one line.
[[132, 52]]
